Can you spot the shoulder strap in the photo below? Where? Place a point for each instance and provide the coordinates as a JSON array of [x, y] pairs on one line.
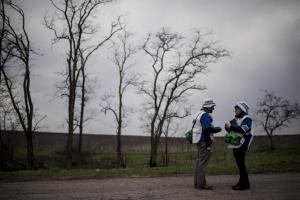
[[199, 114]]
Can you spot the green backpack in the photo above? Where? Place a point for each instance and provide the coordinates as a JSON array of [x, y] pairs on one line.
[[233, 138]]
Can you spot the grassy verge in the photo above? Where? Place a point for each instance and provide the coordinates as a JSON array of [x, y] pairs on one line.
[[101, 164]]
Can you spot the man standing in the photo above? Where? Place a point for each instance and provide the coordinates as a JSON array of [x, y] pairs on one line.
[[203, 136]]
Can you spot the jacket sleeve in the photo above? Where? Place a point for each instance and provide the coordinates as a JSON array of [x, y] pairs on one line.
[[207, 126], [232, 123], [212, 130], [244, 128]]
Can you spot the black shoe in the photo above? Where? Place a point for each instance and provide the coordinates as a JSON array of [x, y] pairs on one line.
[[240, 187], [206, 187]]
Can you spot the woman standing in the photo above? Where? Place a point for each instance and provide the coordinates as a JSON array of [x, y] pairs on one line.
[[241, 124]]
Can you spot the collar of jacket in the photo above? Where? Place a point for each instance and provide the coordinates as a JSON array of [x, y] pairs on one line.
[[205, 110], [241, 115]]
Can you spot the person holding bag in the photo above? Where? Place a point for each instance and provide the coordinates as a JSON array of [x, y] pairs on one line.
[[239, 137], [203, 130]]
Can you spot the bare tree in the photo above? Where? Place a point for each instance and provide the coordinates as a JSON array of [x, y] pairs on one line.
[[122, 54], [78, 30], [16, 48], [275, 113], [176, 68]]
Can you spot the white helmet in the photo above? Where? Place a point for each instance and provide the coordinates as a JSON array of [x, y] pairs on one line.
[[243, 106], [208, 103]]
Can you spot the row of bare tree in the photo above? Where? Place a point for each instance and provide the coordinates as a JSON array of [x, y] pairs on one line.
[[73, 23], [177, 64]]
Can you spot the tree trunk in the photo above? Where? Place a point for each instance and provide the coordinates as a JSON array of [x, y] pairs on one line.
[[166, 151], [80, 139], [81, 111], [30, 153], [2, 152], [120, 121], [270, 136], [69, 158], [29, 116], [153, 156], [119, 151], [119, 132]]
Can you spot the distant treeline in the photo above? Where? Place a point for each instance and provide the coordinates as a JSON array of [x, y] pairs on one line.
[[93, 142]]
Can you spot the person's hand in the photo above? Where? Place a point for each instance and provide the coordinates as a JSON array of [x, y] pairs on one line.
[[233, 122], [227, 125]]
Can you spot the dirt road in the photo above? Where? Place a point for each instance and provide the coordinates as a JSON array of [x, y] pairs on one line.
[[264, 186]]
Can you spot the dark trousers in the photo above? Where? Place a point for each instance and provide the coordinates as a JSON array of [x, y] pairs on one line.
[[239, 155]]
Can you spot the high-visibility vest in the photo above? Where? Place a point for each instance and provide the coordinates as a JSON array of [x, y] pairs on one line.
[[197, 130]]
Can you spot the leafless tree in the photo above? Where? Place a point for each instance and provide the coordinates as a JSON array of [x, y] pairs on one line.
[[16, 49], [176, 70], [78, 31], [123, 52], [275, 113]]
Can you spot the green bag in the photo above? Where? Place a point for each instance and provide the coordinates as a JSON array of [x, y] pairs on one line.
[[189, 136], [233, 138]]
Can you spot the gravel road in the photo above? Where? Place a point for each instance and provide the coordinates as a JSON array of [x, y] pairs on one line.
[[263, 186]]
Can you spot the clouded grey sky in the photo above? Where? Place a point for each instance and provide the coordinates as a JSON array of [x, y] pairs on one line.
[[262, 36]]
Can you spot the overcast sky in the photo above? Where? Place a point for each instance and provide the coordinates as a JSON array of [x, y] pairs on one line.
[[262, 36]]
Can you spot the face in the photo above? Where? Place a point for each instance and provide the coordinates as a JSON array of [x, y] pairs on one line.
[[211, 109], [237, 110]]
